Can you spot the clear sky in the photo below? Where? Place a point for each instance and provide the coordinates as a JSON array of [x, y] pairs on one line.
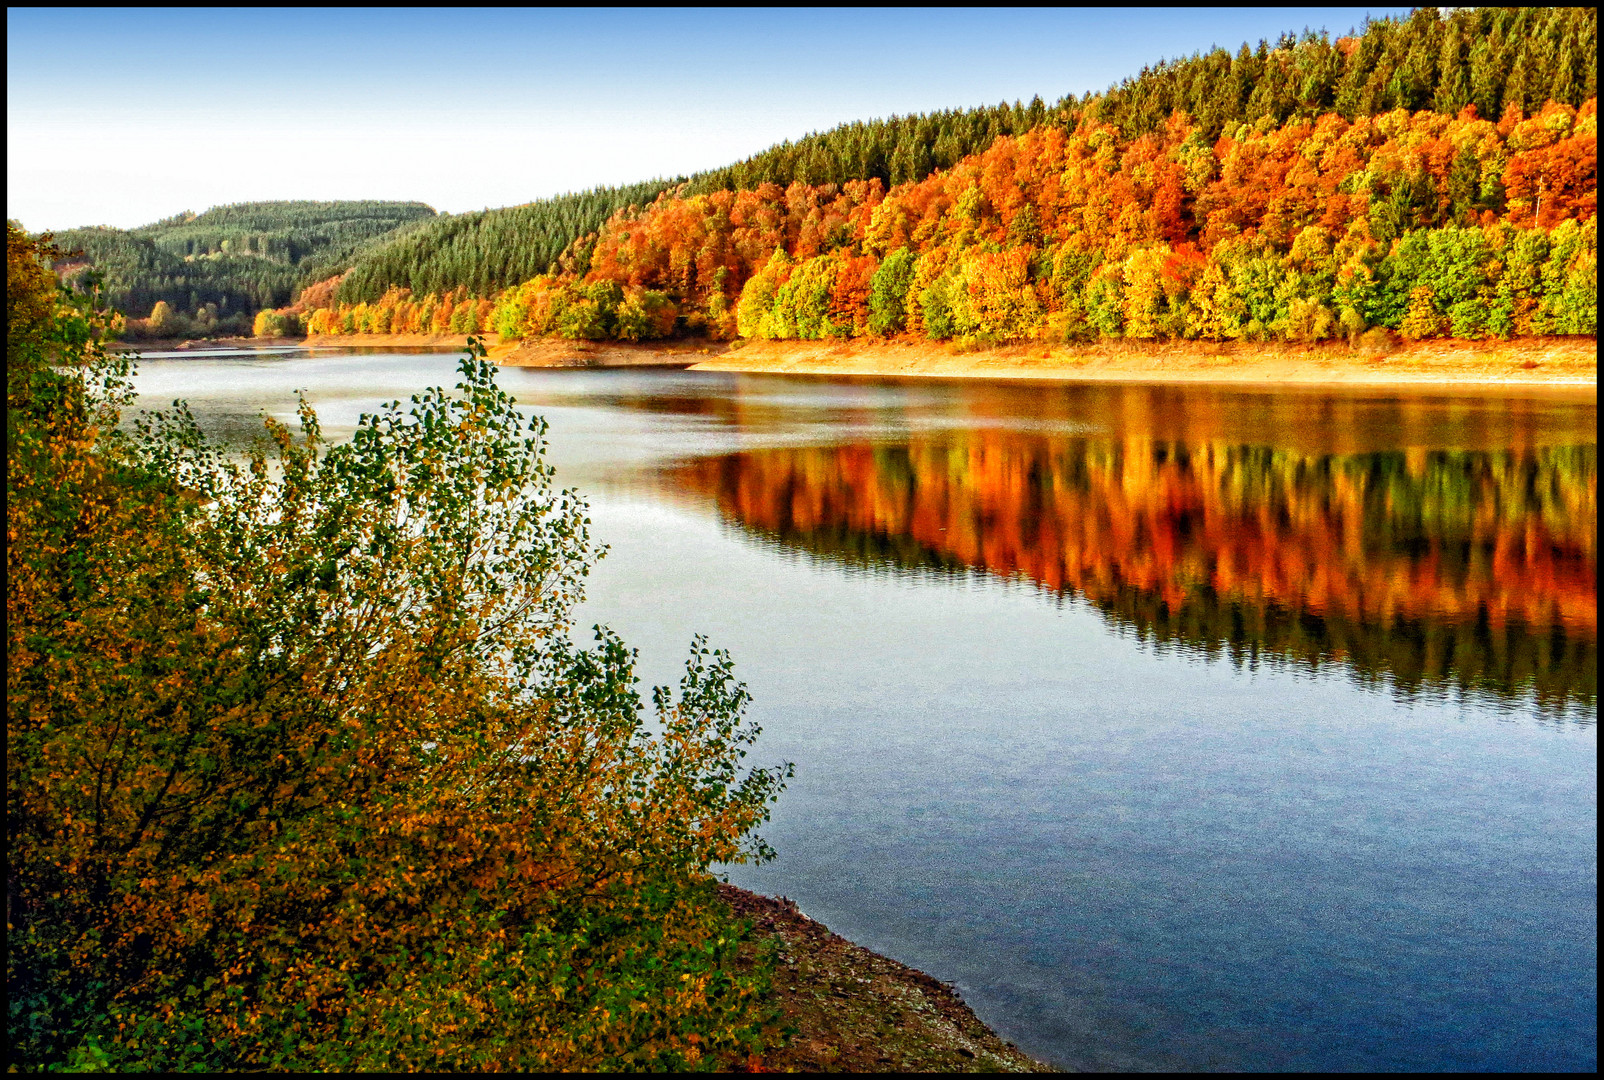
[[121, 117]]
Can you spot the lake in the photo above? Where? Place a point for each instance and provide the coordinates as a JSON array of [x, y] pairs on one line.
[[1180, 728]]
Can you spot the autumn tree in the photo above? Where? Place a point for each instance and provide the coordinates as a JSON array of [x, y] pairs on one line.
[[304, 770]]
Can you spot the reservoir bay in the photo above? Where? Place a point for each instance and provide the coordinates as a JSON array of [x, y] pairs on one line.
[[1180, 728]]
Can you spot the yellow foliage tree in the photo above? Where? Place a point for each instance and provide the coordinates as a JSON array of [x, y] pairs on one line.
[[303, 770]]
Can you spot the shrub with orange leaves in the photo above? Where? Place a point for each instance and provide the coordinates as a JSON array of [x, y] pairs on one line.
[[304, 770]]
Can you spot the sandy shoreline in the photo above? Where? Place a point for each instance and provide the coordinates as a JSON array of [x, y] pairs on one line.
[[1560, 363], [1567, 365]]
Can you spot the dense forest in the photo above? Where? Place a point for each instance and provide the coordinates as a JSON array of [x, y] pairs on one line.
[[1420, 223], [1491, 58], [1307, 191], [211, 272]]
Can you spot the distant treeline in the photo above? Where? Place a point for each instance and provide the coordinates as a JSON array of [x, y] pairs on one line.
[[218, 268], [287, 232]]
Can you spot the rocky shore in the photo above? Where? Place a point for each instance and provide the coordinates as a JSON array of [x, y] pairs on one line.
[[853, 1010]]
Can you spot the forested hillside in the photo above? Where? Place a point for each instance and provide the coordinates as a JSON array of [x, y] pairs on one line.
[[1421, 223], [1491, 58], [214, 270], [488, 249], [319, 238]]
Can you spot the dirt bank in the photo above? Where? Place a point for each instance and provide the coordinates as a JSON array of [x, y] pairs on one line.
[[436, 341], [1554, 361], [853, 1010], [1569, 363], [556, 352], [187, 344]]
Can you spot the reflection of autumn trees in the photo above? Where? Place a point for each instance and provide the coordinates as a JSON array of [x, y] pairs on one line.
[[1463, 568]]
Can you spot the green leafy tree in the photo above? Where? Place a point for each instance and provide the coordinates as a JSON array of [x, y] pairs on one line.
[[935, 303], [888, 291]]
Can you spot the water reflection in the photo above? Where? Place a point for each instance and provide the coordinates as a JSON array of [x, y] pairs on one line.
[[1472, 572], [1128, 860], [1435, 544]]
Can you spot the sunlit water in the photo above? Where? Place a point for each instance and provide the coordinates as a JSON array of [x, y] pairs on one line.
[[1179, 728]]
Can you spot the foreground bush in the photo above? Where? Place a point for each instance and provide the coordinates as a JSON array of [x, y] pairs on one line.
[[303, 770]]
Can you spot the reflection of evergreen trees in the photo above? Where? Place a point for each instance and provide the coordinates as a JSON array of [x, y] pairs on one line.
[[889, 552], [1471, 573], [1558, 667]]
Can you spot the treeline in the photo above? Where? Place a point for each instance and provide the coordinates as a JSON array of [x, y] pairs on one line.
[[136, 276], [213, 271], [1423, 224], [287, 232], [1493, 58], [488, 250], [398, 311], [895, 151], [1437, 59]]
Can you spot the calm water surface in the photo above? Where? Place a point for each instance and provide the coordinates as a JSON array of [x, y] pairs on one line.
[[1180, 728]]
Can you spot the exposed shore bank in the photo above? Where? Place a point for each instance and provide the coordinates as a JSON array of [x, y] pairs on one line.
[[857, 1011], [1567, 364], [1563, 363], [321, 341], [1548, 362]]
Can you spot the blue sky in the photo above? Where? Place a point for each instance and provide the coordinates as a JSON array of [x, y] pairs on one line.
[[123, 116]]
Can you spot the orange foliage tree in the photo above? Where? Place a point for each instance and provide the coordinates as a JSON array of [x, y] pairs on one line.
[[303, 769], [1036, 235]]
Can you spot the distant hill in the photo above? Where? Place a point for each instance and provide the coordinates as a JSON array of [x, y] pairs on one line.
[[238, 259]]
